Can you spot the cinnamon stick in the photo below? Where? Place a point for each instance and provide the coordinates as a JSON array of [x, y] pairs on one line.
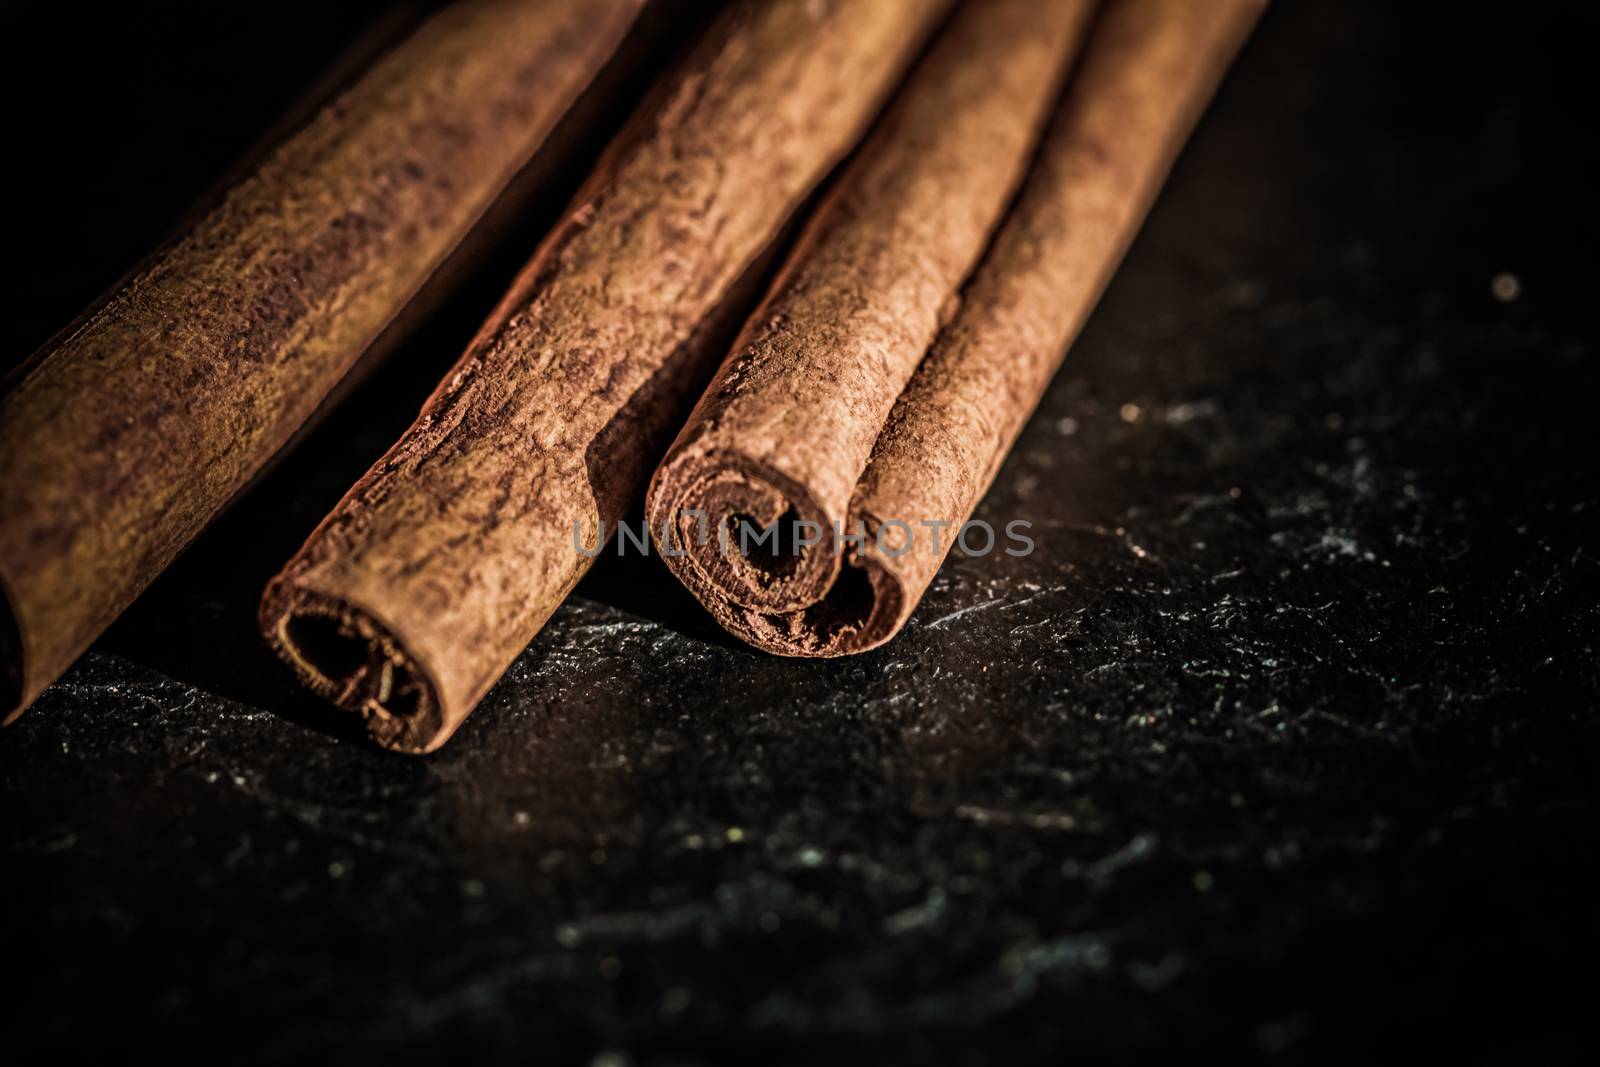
[[443, 561], [138, 425], [782, 435], [796, 428]]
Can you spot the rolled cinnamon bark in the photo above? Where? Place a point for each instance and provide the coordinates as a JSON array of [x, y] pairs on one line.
[[137, 425], [797, 431], [782, 435], [442, 562]]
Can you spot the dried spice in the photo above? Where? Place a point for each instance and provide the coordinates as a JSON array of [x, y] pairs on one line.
[[807, 425], [445, 559], [139, 424]]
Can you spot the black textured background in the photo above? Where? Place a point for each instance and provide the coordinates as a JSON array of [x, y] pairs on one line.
[[1281, 744]]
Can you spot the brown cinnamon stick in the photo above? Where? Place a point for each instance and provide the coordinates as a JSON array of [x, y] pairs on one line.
[[444, 560], [803, 425], [786, 428], [125, 438]]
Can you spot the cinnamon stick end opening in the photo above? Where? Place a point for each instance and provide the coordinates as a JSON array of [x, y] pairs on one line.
[[861, 610], [347, 656], [758, 550]]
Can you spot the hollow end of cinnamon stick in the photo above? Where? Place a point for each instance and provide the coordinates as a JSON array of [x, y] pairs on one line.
[[755, 547], [348, 656], [716, 506]]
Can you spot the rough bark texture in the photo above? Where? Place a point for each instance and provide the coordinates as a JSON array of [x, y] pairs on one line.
[[1280, 749], [444, 560], [781, 437], [1150, 68], [141, 422]]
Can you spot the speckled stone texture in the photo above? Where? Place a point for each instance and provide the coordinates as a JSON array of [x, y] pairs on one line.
[[1282, 743]]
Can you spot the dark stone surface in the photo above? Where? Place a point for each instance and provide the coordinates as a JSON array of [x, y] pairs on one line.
[[1281, 743]]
